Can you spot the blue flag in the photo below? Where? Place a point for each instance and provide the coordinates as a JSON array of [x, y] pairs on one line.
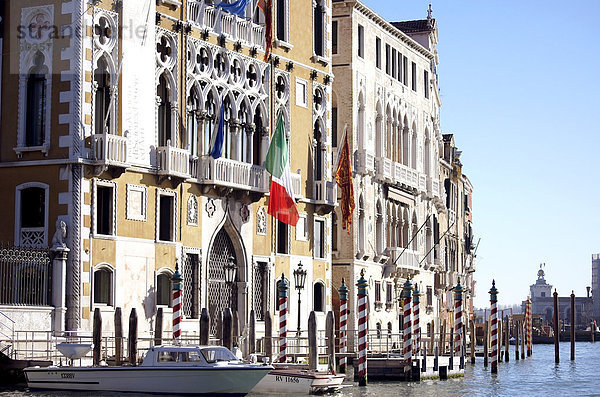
[[219, 137], [238, 7]]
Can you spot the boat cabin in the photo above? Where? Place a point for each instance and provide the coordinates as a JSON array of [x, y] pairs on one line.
[[192, 355]]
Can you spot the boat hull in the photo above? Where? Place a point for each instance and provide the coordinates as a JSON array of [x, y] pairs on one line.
[[297, 381], [213, 381]]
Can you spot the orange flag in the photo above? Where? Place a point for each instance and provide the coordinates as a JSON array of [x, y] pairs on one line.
[[267, 8], [343, 176]]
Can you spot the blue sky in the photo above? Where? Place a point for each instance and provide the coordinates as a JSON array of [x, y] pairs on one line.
[[519, 85]]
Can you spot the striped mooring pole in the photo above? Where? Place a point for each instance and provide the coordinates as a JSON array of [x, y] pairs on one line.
[[529, 327], [343, 290], [362, 329], [416, 325], [458, 317], [177, 305], [283, 293], [494, 326], [407, 345]]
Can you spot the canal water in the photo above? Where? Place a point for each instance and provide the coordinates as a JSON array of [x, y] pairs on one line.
[[534, 376]]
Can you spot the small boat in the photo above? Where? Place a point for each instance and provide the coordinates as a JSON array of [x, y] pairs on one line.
[[287, 379], [165, 369]]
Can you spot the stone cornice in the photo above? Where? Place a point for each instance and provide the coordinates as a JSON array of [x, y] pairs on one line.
[[390, 28]]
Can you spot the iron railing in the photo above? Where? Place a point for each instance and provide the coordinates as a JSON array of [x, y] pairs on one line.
[[25, 276]]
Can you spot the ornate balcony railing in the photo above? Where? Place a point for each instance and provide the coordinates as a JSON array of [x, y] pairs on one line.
[[325, 192], [109, 149], [406, 262], [231, 173], [365, 162], [172, 161], [406, 176], [433, 187], [297, 185], [384, 169], [205, 16]]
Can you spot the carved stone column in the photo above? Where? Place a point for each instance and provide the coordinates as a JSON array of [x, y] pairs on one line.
[[234, 128], [250, 129], [59, 256], [264, 145]]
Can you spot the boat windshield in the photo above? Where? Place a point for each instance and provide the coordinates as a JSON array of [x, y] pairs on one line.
[[215, 354], [178, 356]]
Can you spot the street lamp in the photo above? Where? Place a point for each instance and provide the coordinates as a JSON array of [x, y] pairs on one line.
[[299, 279], [230, 269]]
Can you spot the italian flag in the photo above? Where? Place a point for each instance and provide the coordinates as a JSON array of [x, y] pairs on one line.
[[281, 201]]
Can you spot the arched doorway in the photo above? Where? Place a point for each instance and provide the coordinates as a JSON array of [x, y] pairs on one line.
[[220, 294]]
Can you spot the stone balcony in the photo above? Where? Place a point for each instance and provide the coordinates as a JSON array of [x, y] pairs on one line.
[[325, 196], [404, 262], [173, 162], [203, 15], [108, 151], [433, 187], [226, 173], [365, 162]]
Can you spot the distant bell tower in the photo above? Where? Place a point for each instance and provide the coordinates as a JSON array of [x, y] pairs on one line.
[[541, 289], [596, 285]]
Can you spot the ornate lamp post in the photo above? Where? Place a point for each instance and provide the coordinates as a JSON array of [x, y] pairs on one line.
[[230, 269], [299, 279]]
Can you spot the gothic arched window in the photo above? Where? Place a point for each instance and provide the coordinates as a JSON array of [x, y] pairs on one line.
[[165, 133], [318, 161], [256, 138], [193, 111], [102, 97], [35, 113], [210, 107]]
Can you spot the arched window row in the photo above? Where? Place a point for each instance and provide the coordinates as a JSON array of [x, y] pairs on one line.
[[245, 122]]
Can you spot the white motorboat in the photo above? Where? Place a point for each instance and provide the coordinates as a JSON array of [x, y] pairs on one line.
[[285, 379], [210, 370]]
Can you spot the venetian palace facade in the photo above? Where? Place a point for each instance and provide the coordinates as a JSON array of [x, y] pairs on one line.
[[410, 219], [109, 112]]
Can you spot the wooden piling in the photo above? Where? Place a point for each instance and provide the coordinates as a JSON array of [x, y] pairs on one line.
[[330, 335], [436, 359], [424, 364], [451, 362], [556, 329], [132, 338], [473, 341], [204, 327], [485, 345], [227, 330], [500, 339], [313, 358], [443, 338], [506, 339], [592, 331], [118, 337], [97, 336], [523, 336], [572, 326], [158, 327], [432, 339], [516, 336], [268, 336], [235, 325], [463, 346], [252, 333]]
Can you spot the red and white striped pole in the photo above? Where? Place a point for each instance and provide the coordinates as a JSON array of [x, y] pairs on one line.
[[407, 345], [416, 325], [362, 329], [177, 305], [283, 292], [458, 323], [529, 328], [343, 290], [494, 326]]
